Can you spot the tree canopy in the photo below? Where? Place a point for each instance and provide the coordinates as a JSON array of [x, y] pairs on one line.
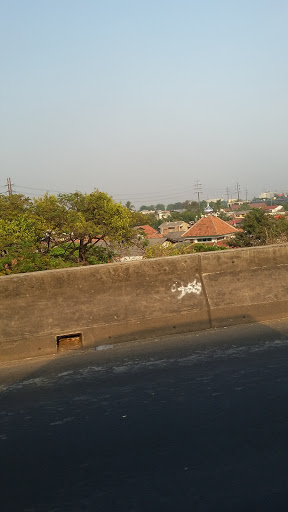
[[151, 207], [60, 231], [260, 228]]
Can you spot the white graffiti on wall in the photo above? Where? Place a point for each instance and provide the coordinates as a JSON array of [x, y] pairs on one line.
[[194, 287]]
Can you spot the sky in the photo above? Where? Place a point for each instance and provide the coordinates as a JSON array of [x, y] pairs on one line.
[[143, 99]]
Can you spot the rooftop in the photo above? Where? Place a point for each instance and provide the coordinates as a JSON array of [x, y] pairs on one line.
[[148, 230], [210, 226], [172, 224]]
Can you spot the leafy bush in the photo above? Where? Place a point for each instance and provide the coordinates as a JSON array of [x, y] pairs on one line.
[[158, 251]]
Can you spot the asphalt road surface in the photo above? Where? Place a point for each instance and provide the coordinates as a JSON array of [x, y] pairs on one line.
[[197, 422]]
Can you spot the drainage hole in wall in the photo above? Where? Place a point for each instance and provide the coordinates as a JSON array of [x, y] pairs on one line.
[[69, 342]]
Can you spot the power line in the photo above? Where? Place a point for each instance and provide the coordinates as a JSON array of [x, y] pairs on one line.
[[168, 193], [140, 197], [42, 189], [165, 193], [136, 195]]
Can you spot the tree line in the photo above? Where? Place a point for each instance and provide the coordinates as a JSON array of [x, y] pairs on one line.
[[63, 231]]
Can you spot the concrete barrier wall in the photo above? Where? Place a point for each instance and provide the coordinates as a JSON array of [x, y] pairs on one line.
[[126, 301]]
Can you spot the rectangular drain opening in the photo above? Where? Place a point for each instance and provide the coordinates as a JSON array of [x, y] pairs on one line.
[[69, 342]]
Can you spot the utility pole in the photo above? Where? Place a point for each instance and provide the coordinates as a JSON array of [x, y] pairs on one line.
[[198, 191], [227, 194], [9, 187], [238, 191]]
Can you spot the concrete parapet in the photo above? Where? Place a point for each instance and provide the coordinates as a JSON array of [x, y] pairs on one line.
[[125, 301], [246, 285]]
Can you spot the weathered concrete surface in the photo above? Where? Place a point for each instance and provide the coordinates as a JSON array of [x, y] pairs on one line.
[[246, 285], [117, 301], [126, 301]]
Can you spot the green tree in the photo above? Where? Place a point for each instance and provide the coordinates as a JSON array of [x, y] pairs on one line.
[[175, 206], [260, 228], [20, 241], [158, 251], [19, 230], [140, 219], [217, 205], [160, 206], [56, 232], [95, 217], [130, 206], [53, 218], [13, 206], [193, 206], [244, 206], [186, 216], [173, 217], [145, 207], [224, 216]]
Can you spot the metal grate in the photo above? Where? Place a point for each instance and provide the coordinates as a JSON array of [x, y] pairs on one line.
[[69, 342]]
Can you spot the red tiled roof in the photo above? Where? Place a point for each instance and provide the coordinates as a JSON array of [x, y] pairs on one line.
[[148, 230], [232, 207], [210, 226], [272, 207], [257, 205]]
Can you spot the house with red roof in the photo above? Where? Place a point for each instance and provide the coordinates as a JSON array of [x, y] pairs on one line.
[[210, 229], [149, 231], [258, 205], [275, 209]]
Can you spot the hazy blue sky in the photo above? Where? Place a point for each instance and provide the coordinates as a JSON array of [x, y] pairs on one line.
[[142, 98]]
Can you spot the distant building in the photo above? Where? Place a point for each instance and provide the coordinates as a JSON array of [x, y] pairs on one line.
[[135, 253], [233, 204], [257, 205], [181, 210], [237, 217], [267, 195], [162, 214], [147, 212], [276, 209], [210, 229], [171, 227]]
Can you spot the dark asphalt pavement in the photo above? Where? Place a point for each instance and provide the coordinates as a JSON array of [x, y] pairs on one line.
[[197, 422]]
